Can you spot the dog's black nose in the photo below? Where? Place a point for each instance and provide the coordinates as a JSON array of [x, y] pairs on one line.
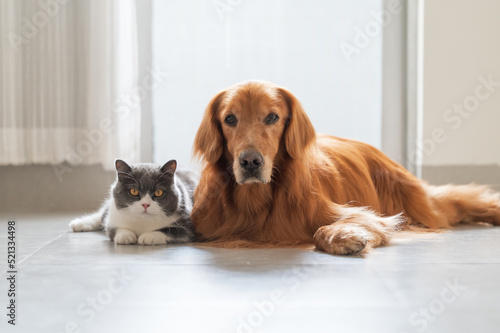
[[250, 160]]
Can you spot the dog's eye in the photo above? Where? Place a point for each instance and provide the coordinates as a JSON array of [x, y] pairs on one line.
[[231, 120], [271, 119]]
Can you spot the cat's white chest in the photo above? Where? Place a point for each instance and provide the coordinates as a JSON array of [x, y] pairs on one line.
[[134, 218]]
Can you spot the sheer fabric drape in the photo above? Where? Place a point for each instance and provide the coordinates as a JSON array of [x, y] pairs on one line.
[[68, 70]]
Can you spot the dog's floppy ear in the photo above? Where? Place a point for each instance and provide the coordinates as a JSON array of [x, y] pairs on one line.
[[208, 143], [299, 131]]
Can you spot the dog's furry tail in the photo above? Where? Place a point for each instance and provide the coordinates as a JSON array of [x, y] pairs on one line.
[[439, 207], [466, 203]]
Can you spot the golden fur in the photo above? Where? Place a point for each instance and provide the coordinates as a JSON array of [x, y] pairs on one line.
[[345, 196]]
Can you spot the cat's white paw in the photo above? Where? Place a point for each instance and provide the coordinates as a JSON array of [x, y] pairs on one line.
[[125, 237], [153, 238], [86, 223]]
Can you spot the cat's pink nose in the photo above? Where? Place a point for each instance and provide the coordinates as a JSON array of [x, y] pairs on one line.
[[145, 205]]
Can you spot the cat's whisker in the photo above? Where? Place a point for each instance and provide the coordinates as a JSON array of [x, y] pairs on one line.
[[139, 212]]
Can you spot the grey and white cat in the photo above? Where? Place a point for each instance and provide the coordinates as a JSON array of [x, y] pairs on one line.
[[148, 205]]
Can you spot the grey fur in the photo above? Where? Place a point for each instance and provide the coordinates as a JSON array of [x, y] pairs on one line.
[[178, 187], [111, 232]]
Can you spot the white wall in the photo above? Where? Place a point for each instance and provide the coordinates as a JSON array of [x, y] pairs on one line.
[[461, 44], [294, 44]]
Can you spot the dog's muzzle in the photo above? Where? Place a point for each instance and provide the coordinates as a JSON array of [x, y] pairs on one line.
[[251, 163]]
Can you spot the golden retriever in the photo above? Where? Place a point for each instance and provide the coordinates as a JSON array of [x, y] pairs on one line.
[[269, 179]]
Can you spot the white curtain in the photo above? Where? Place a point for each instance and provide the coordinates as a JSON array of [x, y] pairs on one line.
[[68, 82]]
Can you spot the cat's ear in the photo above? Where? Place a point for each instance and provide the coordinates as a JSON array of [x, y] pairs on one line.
[[169, 167], [124, 172], [122, 166]]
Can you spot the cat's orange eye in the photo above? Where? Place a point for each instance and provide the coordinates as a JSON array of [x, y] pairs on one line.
[[134, 191], [158, 193]]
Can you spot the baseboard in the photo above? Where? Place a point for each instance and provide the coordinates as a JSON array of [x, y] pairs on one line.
[[41, 188], [463, 174]]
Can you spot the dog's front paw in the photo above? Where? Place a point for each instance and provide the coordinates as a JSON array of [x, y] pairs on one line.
[[153, 238], [341, 239], [125, 237]]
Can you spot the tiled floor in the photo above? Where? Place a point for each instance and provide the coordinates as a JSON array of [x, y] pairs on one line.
[[81, 282]]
